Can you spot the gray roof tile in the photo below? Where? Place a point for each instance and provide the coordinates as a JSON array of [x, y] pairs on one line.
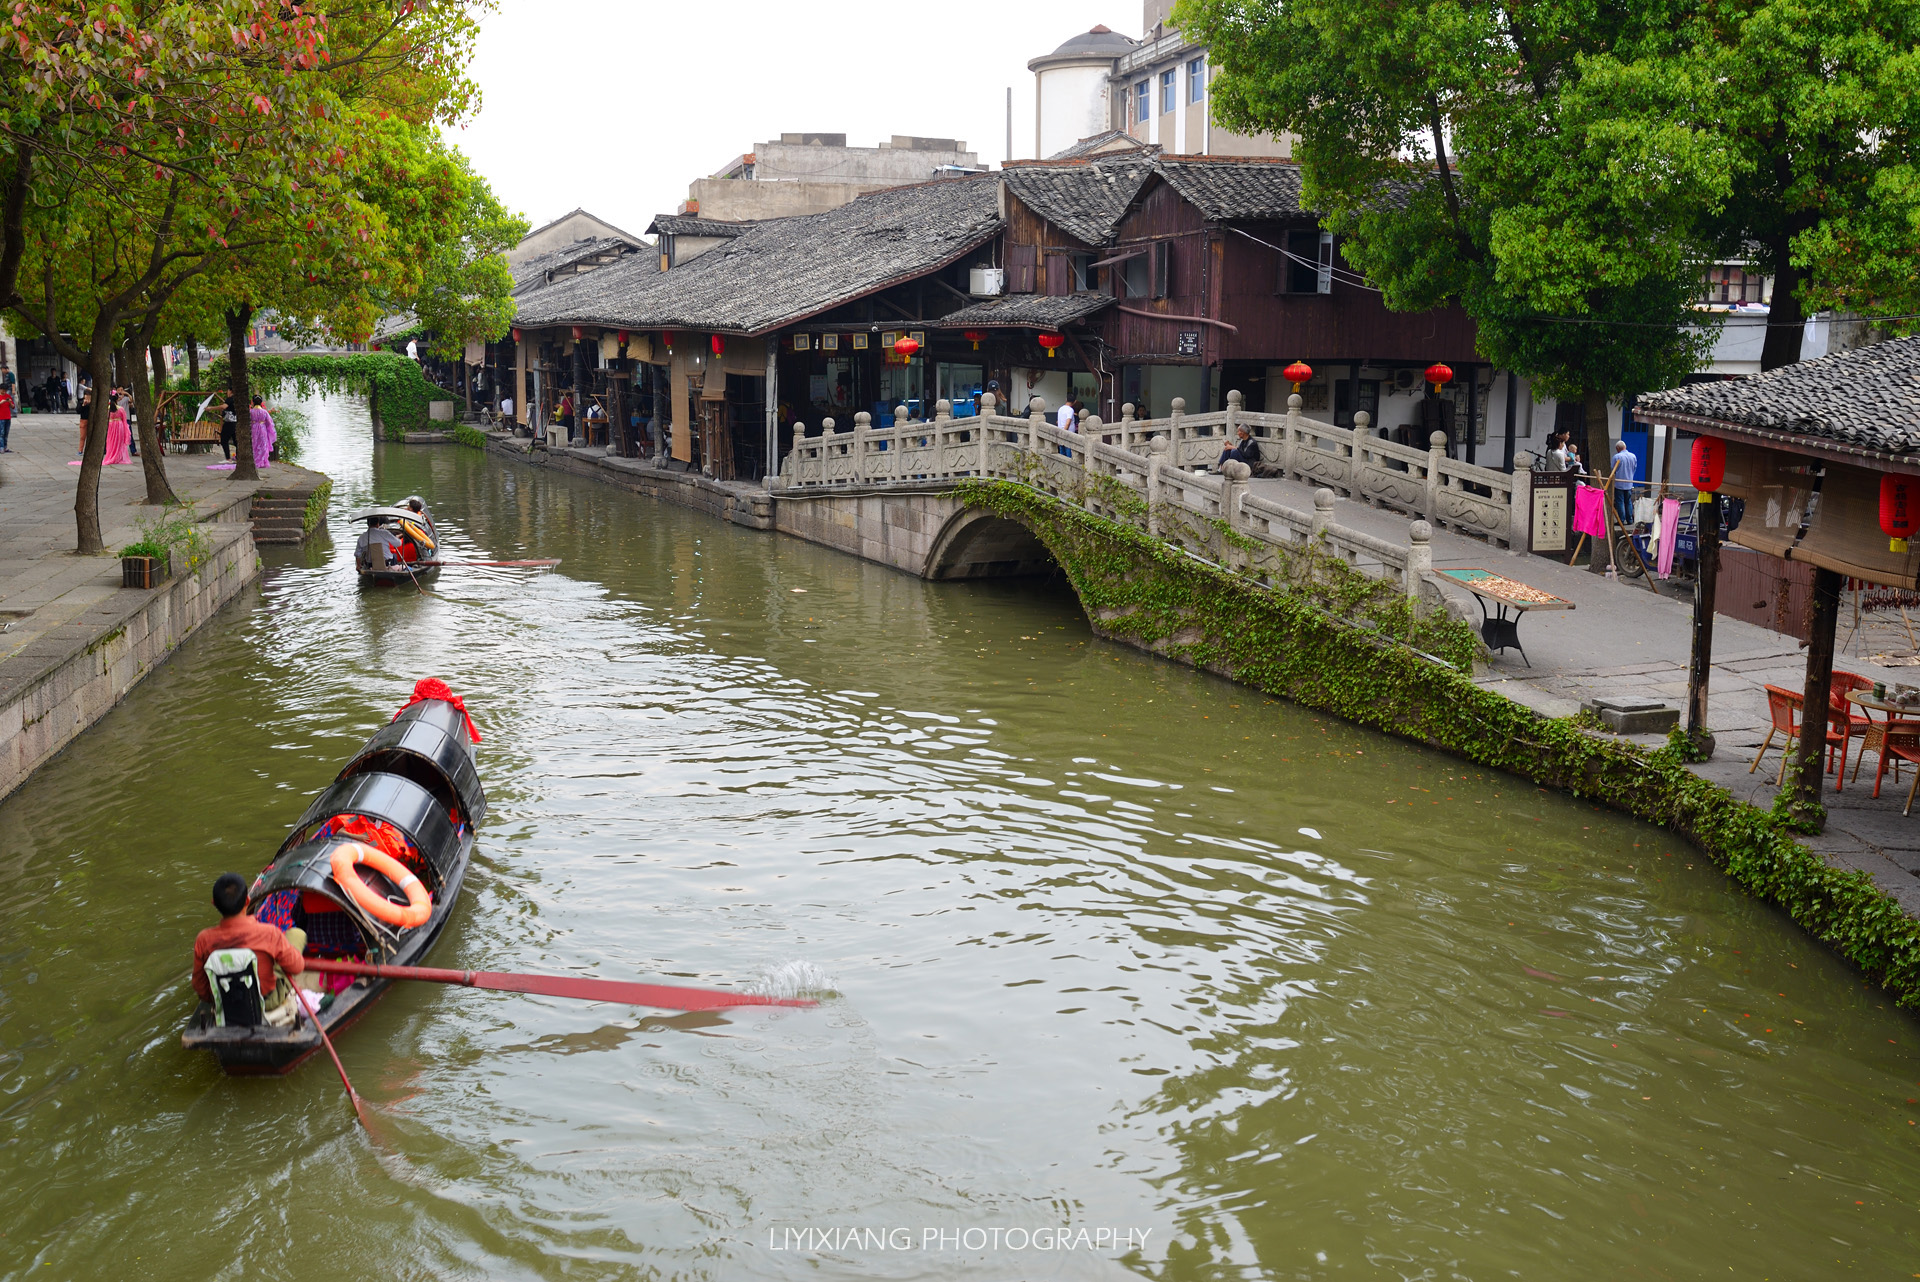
[[690, 225], [1084, 198], [568, 260], [1237, 188], [1025, 310], [783, 270], [1868, 397]]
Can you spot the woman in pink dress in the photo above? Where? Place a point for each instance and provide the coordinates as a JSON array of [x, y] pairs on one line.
[[118, 436], [263, 434]]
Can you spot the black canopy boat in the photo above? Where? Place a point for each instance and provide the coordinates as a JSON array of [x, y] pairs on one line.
[[412, 793], [398, 546]]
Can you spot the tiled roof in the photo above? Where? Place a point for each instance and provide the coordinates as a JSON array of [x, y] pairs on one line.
[[568, 260], [1114, 142], [1025, 310], [1868, 397], [1084, 198], [1239, 188], [783, 270], [689, 225]]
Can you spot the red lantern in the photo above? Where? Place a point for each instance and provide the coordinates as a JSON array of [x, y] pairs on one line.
[[666, 340], [623, 338], [1709, 463], [1051, 342], [1899, 509], [516, 335], [719, 344], [973, 336], [904, 348], [578, 333], [1438, 373], [1297, 373]]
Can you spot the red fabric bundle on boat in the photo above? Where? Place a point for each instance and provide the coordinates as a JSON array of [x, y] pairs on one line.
[[428, 688]]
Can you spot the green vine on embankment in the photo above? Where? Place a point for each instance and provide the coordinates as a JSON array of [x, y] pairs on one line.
[[466, 434], [392, 384], [1365, 655], [316, 509]]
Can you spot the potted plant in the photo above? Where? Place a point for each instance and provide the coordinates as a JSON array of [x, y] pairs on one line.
[[145, 564]]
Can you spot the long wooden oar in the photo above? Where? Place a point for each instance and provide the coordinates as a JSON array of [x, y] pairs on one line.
[[313, 1017], [667, 996], [535, 565]]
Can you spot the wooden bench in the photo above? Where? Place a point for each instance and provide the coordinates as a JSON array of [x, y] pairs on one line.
[[1497, 629], [203, 432]]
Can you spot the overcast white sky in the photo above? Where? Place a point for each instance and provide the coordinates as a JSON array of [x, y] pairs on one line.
[[617, 105]]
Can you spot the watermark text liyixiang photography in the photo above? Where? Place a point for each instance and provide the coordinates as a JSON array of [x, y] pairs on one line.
[[842, 1239]]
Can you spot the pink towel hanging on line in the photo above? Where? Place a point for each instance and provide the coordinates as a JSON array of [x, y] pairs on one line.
[[1669, 531], [1589, 511]]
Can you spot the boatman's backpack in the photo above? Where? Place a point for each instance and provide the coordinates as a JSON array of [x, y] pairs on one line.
[[234, 975]]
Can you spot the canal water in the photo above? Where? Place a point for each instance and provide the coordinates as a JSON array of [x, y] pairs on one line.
[[1125, 970]]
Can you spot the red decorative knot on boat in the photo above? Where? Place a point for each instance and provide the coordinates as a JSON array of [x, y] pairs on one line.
[[1052, 342], [1297, 373], [906, 347], [427, 688], [719, 344], [1899, 509], [973, 336], [1709, 464], [1438, 373]]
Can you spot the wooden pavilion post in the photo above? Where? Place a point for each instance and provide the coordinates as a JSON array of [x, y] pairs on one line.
[[1706, 580], [1812, 746]]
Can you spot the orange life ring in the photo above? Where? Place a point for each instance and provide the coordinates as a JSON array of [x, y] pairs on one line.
[[419, 904]]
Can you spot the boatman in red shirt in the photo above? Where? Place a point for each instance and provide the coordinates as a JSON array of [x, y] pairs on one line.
[[239, 930]]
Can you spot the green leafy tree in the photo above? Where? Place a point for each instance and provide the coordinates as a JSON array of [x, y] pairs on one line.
[[1469, 153]]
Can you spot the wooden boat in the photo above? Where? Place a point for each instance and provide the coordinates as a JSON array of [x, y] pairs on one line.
[[416, 548], [412, 791]]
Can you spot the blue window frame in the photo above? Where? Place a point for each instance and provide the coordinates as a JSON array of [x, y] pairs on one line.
[[1197, 80], [1166, 91], [1142, 101]]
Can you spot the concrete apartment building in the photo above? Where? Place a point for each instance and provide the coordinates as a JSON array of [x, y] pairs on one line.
[[812, 173], [1153, 90]]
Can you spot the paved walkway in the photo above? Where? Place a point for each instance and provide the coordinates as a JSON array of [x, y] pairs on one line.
[[1624, 640], [51, 599]]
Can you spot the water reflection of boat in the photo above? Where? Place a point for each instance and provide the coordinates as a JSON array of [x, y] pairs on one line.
[[397, 546], [413, 794]]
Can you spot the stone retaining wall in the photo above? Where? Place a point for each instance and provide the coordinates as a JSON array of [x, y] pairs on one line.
[[63, 682], [736, 501]]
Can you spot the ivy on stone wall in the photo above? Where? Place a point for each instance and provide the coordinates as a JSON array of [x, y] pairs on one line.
[[1353, 651], [469, 436], [392, 384]]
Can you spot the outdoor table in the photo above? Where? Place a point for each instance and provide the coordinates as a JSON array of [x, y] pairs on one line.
[[1875, 739], [1499, 629]]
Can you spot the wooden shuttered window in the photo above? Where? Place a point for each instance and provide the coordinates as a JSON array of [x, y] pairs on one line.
[[1161, 256], [1022, 267], [1059, 275]]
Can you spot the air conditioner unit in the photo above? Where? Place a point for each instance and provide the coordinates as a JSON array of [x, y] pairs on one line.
[[1404, 380], [987, 282]]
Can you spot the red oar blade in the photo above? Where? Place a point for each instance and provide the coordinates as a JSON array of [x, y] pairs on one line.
[[530, 565], [666, 996]]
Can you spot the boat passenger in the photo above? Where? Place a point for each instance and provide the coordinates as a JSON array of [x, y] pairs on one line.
[[378, 549], [237, 929], [418, 504]]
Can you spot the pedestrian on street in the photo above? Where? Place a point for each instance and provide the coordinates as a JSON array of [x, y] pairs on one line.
[[1626, 468], [6, 418], [230, 427], [263, 433]]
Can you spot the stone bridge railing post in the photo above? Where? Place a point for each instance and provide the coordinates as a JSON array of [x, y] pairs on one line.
[[1419, 559], [1322, 514], [1288, 433], [862, 427], [1156, 459], [1357, 465], [942, 429], [987, 403], [1177, 429], [1036, 419], [1127, 428], [1436, 459], [1520, 512], [1236, 405], [1089, 433], [1233, 491]]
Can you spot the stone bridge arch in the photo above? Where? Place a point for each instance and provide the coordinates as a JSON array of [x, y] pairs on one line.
[[977, 544]]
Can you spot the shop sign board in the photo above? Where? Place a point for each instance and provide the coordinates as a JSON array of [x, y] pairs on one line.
[[1188, 342], [1552, 514]]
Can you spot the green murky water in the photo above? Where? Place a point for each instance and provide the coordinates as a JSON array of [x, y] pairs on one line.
[[1116, 947]]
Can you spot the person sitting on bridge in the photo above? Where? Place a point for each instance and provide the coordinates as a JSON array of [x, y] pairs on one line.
[[236, 930], [1245, 449]]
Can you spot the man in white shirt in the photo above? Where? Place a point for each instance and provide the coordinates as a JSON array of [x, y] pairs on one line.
[[413, 350], [1068, 419], [506, 409]]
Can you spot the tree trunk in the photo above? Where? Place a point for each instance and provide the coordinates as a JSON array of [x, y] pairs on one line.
[[193, 362], [1811, 750], [86, 493], [1786, 324], [237, 318], [152, 461]]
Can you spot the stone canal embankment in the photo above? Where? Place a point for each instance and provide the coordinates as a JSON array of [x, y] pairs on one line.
[[1334, 603], [73, 640]]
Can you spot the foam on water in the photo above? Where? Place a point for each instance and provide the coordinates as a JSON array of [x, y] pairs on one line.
[[793, 979]]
